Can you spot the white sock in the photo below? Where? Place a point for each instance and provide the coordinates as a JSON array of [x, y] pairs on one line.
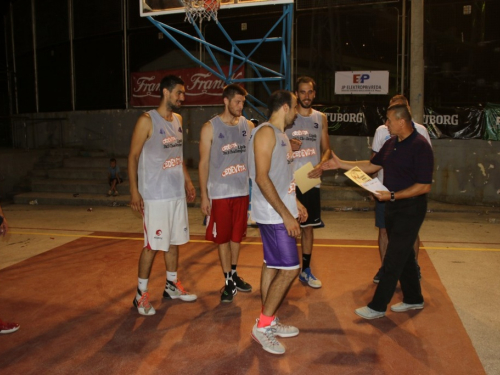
[[143, 284], [172, 276]]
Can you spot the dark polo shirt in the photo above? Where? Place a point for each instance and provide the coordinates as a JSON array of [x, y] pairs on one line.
[[405, 163]]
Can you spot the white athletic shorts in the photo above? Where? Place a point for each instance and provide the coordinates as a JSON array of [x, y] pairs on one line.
[[165, 223]]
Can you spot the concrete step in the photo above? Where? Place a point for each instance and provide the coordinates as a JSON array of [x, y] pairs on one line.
[[93, 154], [65, 152], [50, 161], [343, 193], [83, 199], [63, 199], [83, 173], [75, 186], [93, 162]]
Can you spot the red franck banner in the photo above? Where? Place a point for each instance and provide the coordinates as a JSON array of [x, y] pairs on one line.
[[202, 87]]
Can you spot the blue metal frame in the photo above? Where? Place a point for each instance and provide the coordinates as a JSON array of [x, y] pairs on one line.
[[283, 76]]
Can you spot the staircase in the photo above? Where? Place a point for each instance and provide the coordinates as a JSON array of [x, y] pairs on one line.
[[80, 178], [72, 177]]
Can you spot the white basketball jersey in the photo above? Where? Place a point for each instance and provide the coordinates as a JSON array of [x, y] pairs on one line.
[[307, 129], [160, 171], [228, 173], [281, 175]]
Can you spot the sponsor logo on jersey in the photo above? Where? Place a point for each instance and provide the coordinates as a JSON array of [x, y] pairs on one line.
[[179, 130], [283, 144], [297, 133], [221, 136], [304, 153], [162, 131], [158, 235], [170, 163], [233, 169], [233, 148], [229, 146], [169, 140]]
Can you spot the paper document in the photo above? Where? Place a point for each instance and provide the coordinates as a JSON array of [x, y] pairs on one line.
[[365, 181], [302, 181]]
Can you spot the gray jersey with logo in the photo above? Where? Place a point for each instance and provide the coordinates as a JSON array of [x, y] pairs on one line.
[[308, 129], [228, 173], [160, 171], [281, 175]]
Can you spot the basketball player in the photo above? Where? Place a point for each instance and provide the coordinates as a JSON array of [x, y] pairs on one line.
[[224, 184], [159, 182], [309, 139], [276, 210]]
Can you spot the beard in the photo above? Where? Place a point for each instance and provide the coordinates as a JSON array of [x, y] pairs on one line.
[[173, 106], [233, 112], [301, 103]]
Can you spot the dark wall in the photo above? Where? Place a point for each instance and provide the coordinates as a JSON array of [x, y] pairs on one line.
[[462, 51]]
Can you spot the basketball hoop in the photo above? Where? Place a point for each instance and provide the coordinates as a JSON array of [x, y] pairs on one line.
[[201, 9]]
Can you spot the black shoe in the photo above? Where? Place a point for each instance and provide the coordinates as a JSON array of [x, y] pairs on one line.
[[377, 277], [241, 284], [418, 271], [228, 292]]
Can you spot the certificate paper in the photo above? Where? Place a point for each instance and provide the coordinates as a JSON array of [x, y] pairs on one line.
[[303, 182], [363, 180]]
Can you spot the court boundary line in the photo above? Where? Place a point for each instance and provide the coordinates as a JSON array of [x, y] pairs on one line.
[[250, 243]]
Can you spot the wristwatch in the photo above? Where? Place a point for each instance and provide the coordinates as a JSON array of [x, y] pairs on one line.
[[393, 198]]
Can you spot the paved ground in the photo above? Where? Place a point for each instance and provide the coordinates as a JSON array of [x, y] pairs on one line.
[[462, 244]]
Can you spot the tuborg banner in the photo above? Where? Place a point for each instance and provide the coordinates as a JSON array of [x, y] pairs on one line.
[[202, 87], [445, 122]]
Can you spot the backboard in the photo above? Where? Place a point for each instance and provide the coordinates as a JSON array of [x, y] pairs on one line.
[[160, 7]]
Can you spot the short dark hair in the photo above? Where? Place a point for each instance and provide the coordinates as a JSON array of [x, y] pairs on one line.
[[304, 79], [277, 100], [230, 91], [169, 82], [112, 160], [398, 98], [401, 111]]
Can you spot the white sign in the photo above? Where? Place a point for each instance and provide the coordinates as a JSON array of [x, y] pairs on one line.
[[373, 82]]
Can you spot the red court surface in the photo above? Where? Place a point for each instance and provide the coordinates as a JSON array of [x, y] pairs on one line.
[[74, 304]]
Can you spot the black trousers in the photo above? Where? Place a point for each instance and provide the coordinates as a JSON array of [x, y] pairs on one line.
[[403, 219]]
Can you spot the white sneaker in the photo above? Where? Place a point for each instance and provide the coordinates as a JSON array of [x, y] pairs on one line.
[[307, 277], [283, 330], [265, 336], [367, 313], [141, 301], [176, 290], [402, 307]]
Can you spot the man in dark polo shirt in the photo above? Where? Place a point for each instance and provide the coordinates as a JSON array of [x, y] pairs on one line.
[[408, 163]]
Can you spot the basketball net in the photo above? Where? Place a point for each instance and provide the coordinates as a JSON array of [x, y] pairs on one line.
[[197, 10]]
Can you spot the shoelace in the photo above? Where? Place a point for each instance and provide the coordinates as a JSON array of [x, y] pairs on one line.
[[270, 336], [179, 286], [238, 279], [144, 301], [310, 275], [277, 324]]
